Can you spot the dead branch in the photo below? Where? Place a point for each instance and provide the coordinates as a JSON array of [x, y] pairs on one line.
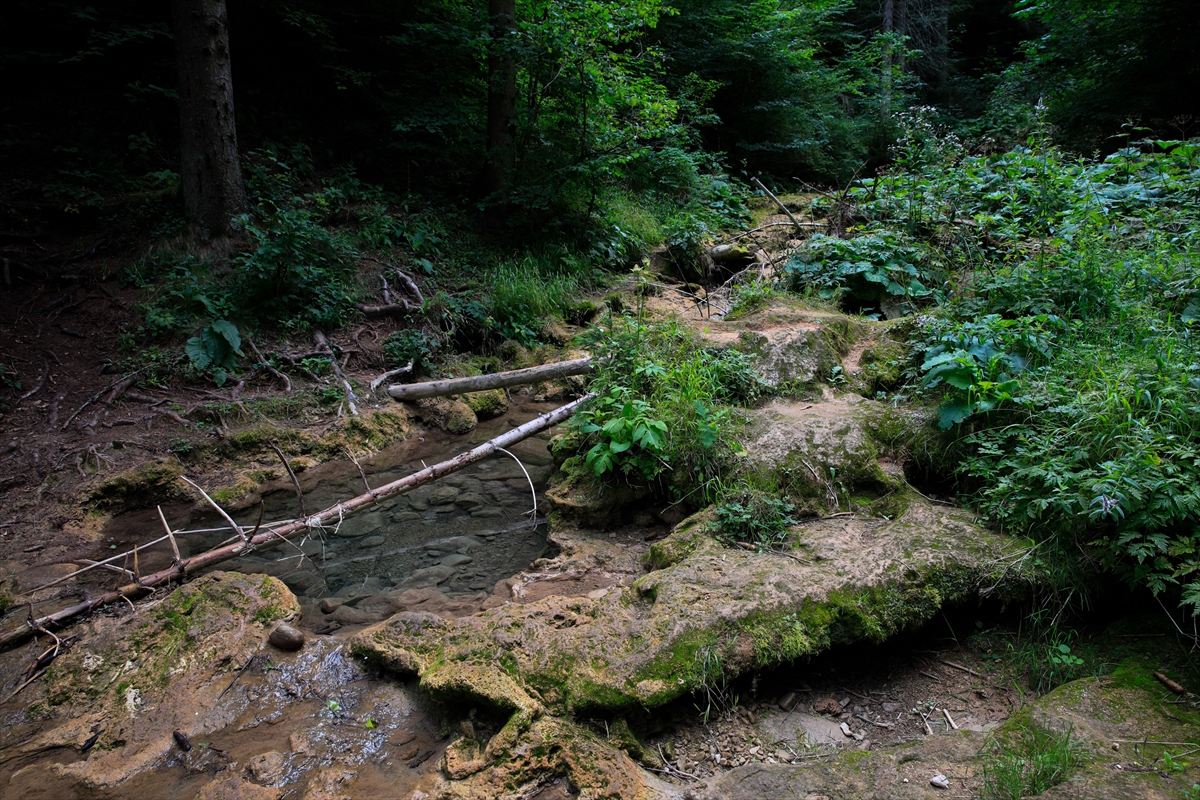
[[351, 397], [497, 380], [41, 382], [331, 515], [130, 377], [228, 519], [778, 202], [361, 473], [266, 365], [170, 535], [292, 475], [375, 384]]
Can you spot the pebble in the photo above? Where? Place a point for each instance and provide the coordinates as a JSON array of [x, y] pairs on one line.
[[940, 781], [285, 637], [456, 560], [788, 701]]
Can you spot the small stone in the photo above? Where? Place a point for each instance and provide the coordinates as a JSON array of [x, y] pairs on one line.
[[788, 701], [330, 604], [846, 730], [940, 781], [372, 541], [891, 708], [456, 560], [596, 594], [285, 637], [845, 701]]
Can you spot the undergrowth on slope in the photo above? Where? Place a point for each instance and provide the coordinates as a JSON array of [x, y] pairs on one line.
[[1064, 356]]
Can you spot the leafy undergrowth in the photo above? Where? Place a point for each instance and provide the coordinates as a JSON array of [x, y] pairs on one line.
[[1060, 303]]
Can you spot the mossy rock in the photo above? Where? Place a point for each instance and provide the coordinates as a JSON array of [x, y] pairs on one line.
[[460, 419], [650, 643], [487, 404], [577, 495], [146, 675], [149, 484]]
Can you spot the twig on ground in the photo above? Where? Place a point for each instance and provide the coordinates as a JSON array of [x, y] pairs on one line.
[[41, 382], [351, 397], [959, 666], [361, 473], [262, 362]]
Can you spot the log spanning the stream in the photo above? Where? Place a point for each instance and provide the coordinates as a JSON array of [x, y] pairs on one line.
[[496, 380], [330, 516]]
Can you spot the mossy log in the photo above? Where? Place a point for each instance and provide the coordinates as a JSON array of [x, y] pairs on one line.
[[330, 515]]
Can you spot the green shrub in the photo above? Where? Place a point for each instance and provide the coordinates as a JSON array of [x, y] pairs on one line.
[[754, 517]]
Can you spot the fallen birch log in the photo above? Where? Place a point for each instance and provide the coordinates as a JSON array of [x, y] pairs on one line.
[[332, 515], [496, 380]]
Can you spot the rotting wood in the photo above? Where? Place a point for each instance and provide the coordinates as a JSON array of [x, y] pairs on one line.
[[387, 376], [332, 515], [496, 380], [1167, 682]]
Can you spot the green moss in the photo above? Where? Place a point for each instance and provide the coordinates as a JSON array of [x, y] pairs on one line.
[[151, 483], [487, 405], [8, 593], [460, 419]]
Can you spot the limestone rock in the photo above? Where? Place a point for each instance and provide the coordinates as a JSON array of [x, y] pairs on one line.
[[859, 580], [146, 675]]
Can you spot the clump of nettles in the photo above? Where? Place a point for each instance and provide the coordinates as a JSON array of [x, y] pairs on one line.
[[753, 517]]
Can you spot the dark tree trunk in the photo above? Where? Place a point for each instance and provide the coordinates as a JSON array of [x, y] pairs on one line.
[[210, 171], [502, 95]]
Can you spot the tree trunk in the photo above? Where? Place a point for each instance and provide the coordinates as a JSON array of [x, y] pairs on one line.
[[885, 103], [210, 171], [502, 95]]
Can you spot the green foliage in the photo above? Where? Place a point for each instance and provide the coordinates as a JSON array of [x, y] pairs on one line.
[[216, 349], [665, 405], [863, 271], [1036, 761], [401, 347], [755, 517], [1065, 357]]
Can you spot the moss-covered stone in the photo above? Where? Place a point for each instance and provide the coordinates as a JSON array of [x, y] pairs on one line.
[[654, 641], [577, 495], [145, 675], [151, 483], [487, 404]]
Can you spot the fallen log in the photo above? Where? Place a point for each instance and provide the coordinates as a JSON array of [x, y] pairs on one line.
[[332, 515], [496, 380]]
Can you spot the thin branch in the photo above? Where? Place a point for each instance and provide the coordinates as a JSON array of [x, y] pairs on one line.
[[171, 536], [532, 491], [232, 525], [292, 475]]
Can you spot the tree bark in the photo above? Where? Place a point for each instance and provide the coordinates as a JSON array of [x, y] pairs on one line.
[[497, 380], [502, 95], [210, 171]]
